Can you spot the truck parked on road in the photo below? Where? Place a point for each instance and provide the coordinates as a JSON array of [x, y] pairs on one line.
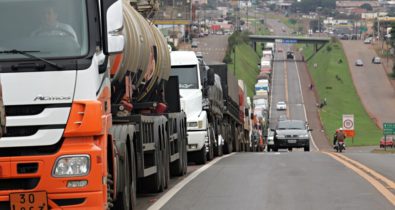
[[232, 126], [244, 105], [202, 99], [99, 117]]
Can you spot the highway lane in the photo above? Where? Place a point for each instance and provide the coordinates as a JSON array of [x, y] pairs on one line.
[[371, 81], [212, 46], [278, 92], [278, 181]]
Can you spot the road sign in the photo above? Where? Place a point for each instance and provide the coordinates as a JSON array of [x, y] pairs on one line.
[[290, 41], [348, 122], [389, 128]]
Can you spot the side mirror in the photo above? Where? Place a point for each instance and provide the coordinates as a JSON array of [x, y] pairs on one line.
[[310, 129], [113, 24], [272, 129], [210, 77]]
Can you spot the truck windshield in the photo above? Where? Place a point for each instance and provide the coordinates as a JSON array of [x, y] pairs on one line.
[[187, 76], [49, 29]]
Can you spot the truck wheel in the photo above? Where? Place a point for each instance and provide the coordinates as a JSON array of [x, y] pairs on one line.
[[201, 156], [218, 151], [210, 154], [152, 183], [275, 149], [307, 148], [124, 198], [290, 149]]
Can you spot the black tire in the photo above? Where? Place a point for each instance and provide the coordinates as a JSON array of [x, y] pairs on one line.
[[290, 149], [218, 151], [275, 149], [153, 183], [201, 156], [307, 148], [211, 139], [123, 201]]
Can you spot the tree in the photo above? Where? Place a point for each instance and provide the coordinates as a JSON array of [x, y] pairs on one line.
[[367, 6]]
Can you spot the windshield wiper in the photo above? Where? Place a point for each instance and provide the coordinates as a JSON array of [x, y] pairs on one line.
[[28, 54]]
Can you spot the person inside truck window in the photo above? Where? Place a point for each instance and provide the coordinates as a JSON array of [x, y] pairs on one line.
[[52, 27]]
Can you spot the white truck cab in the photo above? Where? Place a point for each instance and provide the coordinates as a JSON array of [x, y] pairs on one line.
[[185, 65]]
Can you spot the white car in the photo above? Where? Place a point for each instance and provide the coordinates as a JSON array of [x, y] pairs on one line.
[[281, 105], [358, 62]]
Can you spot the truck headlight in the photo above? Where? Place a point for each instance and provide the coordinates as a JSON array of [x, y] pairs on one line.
[[192, 124], [304, 136], [280, 136], [71, 165]]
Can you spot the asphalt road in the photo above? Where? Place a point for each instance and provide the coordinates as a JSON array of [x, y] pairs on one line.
[[212, 46], [278, 181], [286, 180], [371, 82]]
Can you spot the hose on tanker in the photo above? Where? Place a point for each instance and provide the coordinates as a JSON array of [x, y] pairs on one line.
[[146, 53]]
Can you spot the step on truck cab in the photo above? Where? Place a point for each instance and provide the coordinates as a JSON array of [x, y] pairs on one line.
[[201, 100], [89, 115]]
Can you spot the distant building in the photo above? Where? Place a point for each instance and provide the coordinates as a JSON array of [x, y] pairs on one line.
[[354, 4]]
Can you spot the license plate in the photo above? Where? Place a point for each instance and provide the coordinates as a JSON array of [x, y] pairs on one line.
[[29, 201], [292, 141]]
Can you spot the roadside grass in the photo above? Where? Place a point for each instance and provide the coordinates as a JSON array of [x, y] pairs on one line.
[[340, 94], [388, 150], [246, 66]]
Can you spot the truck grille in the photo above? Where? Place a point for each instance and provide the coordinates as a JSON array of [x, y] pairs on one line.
[[21, 131], [19, 184], [24, 110]]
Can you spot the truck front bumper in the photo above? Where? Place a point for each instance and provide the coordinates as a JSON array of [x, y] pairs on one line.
[[196, 139], [92, 196]]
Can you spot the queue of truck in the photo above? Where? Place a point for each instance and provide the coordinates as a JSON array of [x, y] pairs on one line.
[[97, 122], [262, 91]]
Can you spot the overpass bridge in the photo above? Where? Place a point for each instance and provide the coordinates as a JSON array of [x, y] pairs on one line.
[[317, 41]]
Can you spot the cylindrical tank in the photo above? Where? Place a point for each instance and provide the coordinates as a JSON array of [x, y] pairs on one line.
[[146, 54]]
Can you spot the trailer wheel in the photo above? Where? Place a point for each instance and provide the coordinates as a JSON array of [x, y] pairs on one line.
[[152, 183], [228, 147]]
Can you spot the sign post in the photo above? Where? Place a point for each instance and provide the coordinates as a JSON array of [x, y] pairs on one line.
[[348, 125], [388, 129]]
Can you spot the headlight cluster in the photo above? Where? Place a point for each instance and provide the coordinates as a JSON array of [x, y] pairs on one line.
[[304, 136], [194, 124], [72, 165]]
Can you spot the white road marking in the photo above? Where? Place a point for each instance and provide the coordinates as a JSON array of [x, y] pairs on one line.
[[304, 107], [166, 197]]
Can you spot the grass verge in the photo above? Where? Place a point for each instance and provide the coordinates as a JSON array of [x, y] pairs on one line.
[[340, 94], [246, 65]]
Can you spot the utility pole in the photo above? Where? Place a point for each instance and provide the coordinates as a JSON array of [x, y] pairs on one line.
[[234, 60], [247, 13]]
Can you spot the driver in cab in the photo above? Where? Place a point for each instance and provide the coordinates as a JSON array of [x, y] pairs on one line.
[[52, 27]]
